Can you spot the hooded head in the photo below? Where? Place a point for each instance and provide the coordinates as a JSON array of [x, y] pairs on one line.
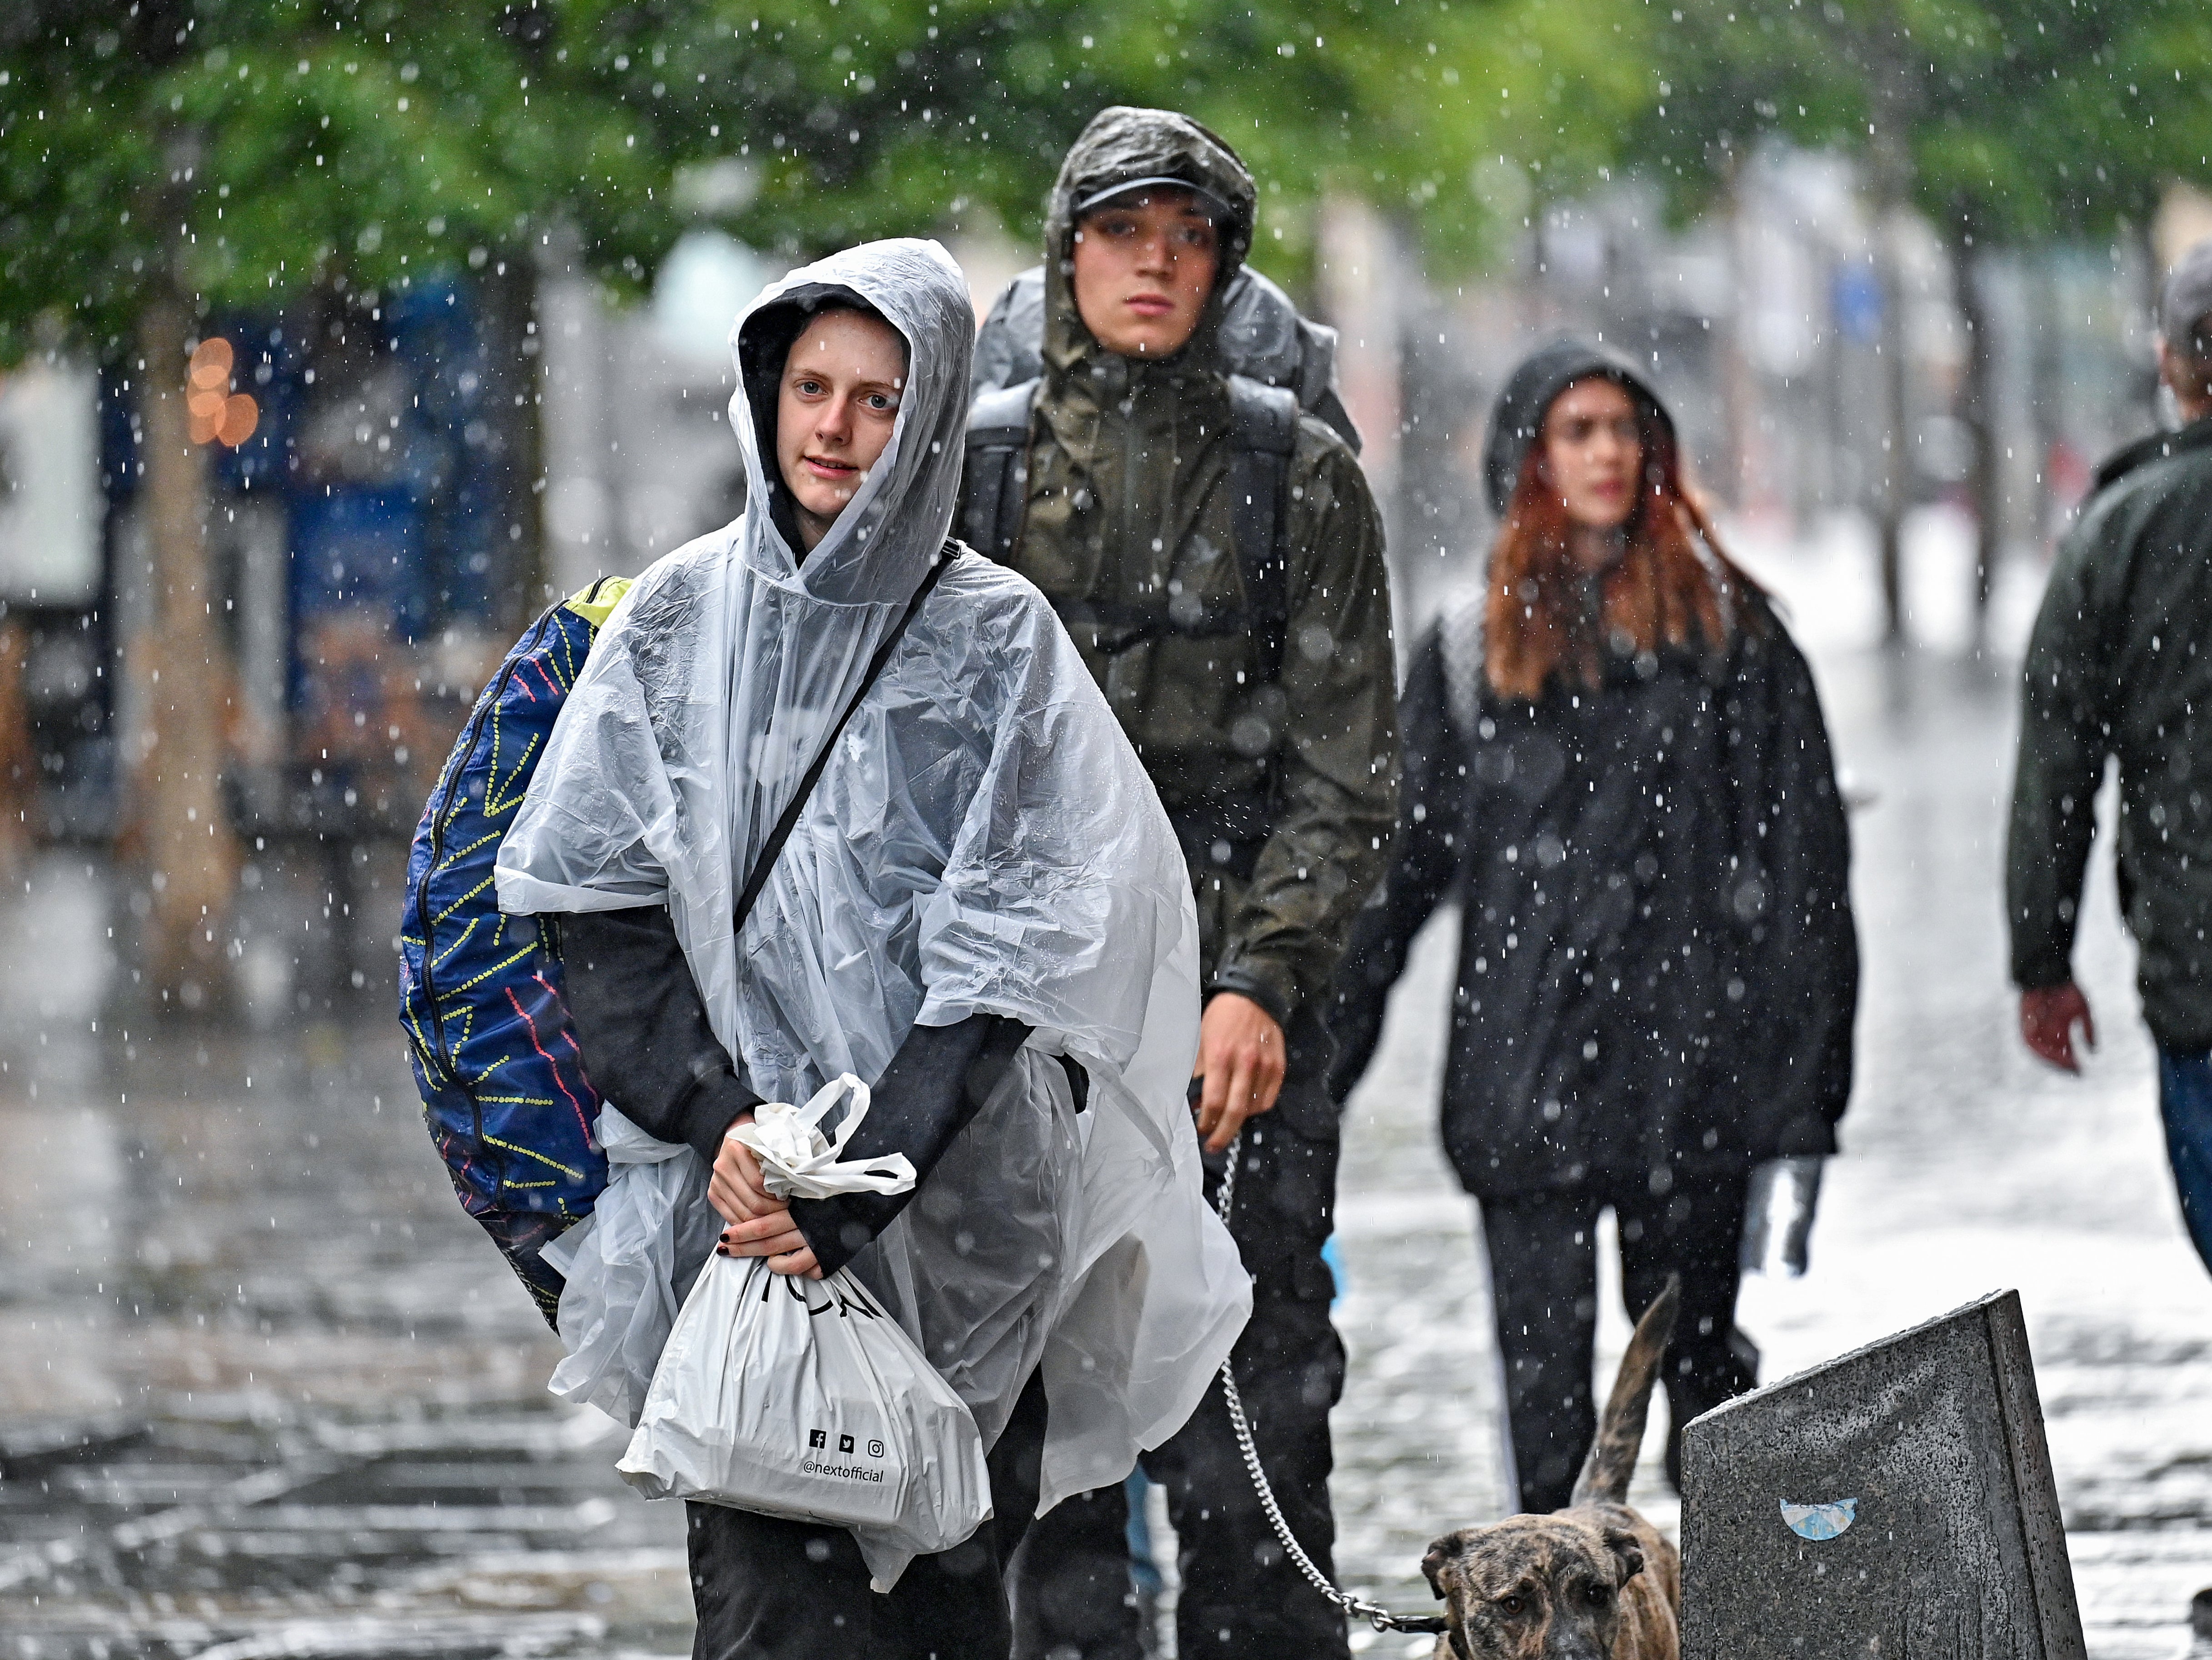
[[1124, 147], [881, 543], [1665, 581], [1518, 417]]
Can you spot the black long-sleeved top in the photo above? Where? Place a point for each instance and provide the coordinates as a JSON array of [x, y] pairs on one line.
[[1658, 971], [647, 1048]]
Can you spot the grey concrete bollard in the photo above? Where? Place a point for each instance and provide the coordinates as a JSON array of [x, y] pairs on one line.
[[1894, 1503]]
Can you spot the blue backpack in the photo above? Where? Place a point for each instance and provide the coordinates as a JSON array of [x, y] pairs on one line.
[[504, 1093]]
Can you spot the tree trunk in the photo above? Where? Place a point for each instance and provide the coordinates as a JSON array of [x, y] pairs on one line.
[[512, 366], [2046, 369], [1891, 166], [1738, 397], [181, 827], [1985, 488], [19, 755], [1897, 440]]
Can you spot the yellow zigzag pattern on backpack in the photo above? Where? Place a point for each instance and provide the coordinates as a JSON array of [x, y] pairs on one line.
[[563, 666], [547, 671], [533, 1152]]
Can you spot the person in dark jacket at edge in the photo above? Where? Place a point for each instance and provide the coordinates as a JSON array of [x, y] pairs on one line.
[[1616, 761], [2120, 665], [1285, 797]]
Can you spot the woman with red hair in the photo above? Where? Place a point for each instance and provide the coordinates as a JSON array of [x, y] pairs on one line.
[[1616, 761]]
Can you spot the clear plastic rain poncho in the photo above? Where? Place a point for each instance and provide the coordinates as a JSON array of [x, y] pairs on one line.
[[984, 841]]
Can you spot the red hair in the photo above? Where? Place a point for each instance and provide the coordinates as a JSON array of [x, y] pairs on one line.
[[1662, 589]]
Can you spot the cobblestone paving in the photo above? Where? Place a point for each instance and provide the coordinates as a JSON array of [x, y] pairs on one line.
[[265, 1392]]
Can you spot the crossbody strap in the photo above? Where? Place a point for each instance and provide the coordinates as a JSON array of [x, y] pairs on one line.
[[765, 863]]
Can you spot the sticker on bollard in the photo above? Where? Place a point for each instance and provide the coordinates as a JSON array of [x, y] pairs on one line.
[[1895, 1502], [1820, 1521]]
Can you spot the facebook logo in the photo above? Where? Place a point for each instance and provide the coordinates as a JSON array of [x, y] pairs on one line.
[[817, 1438]]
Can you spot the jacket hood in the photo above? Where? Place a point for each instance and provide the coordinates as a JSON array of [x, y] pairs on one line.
[[882, 545], [1120, 144], [1518, 415]]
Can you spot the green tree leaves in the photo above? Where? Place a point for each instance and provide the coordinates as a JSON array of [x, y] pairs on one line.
[[247, 146], [2004, 120]]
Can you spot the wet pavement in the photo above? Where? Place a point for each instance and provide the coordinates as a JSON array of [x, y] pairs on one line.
[[264, 1391]]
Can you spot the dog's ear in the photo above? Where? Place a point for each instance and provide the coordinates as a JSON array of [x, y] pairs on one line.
[[1432, 1564], [1626, 1552]]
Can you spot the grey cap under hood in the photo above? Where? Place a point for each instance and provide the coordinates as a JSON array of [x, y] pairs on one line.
[[1518, 415], [1123, 143]]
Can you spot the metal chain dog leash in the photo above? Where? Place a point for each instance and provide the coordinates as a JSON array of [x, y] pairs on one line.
[[1380, 1617]]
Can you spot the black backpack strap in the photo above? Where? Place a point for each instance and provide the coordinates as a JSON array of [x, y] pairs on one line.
[[1264, 434], [996, 490], [765, 862]]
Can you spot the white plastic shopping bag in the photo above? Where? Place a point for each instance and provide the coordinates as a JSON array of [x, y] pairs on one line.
[[804, 1398]]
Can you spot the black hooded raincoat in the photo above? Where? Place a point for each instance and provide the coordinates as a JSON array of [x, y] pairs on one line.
[[1658, 970]]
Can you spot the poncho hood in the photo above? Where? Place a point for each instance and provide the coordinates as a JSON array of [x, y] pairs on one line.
[[1123, 143], [1518, 416], [883, 543]]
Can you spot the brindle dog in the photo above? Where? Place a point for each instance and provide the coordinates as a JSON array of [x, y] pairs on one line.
[[1592, 1581]]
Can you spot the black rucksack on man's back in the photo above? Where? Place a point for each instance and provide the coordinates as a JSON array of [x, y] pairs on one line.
[[1280, 365]]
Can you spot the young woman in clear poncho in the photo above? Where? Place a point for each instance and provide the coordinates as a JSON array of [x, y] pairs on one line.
[[981, 911]]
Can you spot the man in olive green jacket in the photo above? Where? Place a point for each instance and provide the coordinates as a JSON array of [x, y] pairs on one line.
[[1278, 763], [2120, 665]]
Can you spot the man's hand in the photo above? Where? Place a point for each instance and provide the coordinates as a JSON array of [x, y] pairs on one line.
[[2047, 1023], [1240, 1057], [760, 1223]]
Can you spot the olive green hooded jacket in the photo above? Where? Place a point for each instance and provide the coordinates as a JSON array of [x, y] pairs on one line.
[[2120, 665], [1286, 795]]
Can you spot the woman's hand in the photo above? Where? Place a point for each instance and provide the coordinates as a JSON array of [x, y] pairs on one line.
[[760, 1224], [774, 1237], [736, 1189]]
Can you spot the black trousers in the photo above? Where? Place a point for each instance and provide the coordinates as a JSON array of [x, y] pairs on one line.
[[1543, 1278], [1242, 1599], [770, 1590]]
